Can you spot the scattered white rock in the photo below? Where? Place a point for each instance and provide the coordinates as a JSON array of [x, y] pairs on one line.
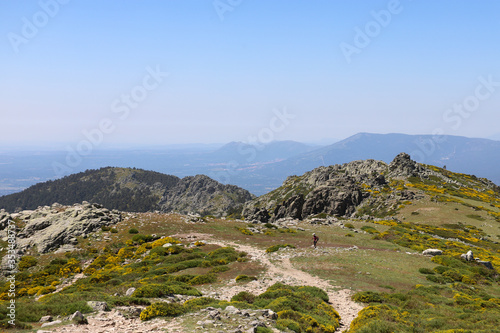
[[432, 252]]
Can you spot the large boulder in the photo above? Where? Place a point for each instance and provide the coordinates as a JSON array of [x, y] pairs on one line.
[[332, 201], [486, 264], [432, 252], [78, 318], [467, 256], [256, 213], [98, 306], [290, 208], [404, 166]]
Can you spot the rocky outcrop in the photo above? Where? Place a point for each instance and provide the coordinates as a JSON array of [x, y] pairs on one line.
[[202, 194], [403, 167], [469, 256], [256, 213], [432, 252], [98, 306], [337, 190], [332, 200], [364, 189], [78, 318], [50, 227], [292, 208]]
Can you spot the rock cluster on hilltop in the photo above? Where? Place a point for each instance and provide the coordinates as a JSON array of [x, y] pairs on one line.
[[203, 195], [50, 227], [336, 190]]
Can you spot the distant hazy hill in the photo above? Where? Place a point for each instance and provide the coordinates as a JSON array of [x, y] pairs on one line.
[[19, 170], [248, 153], [262, 168], [132, 190], [480, 157]]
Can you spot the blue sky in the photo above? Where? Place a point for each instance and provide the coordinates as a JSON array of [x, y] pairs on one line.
[[232, 66]]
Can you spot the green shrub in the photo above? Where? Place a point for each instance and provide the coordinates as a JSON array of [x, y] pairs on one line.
[[203, 279], [133, 231], [438, 279], [367, 297], [27, 262], [312, 309], [270, 226], [243, 296], [275, 248], [245, 278], [55, 304], [315, 292], [426, 271], [198, 303], [223, 252], [139, 238], [261, 329], [4, 323], [162, 310], [245, 231], [284, 324], [453, 274], [219, 269], [127, 301], [475, 217], [441, 269], [369, 229], [114, 231], [105, 228], [349, 225], [168, 289]]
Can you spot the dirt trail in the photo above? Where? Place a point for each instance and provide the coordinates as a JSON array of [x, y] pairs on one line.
[[279, 269], [282, 270]]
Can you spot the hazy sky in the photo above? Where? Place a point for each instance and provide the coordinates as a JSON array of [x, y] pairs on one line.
[[242, 69]]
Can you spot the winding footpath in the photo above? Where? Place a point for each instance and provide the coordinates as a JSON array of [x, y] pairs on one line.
[[282, 270], [278, 269]]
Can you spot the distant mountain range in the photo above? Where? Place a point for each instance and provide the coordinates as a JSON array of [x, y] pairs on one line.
[[479, 157], [262, 168]]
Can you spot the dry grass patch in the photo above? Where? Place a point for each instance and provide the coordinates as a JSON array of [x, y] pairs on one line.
[[367, 269]]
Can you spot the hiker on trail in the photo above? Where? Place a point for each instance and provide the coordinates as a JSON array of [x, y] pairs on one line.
[[315, 240]]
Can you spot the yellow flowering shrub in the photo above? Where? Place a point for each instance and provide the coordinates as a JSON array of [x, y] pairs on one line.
[[126, 252], [162, 310], [245, 231], [45, 290], [34, 290], [163, 241], [70, 268]]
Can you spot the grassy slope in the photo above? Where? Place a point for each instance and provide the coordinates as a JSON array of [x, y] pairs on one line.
[[377, 265]]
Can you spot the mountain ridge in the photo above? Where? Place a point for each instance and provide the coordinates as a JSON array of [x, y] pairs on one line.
[[130, 189], [465, 155]]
